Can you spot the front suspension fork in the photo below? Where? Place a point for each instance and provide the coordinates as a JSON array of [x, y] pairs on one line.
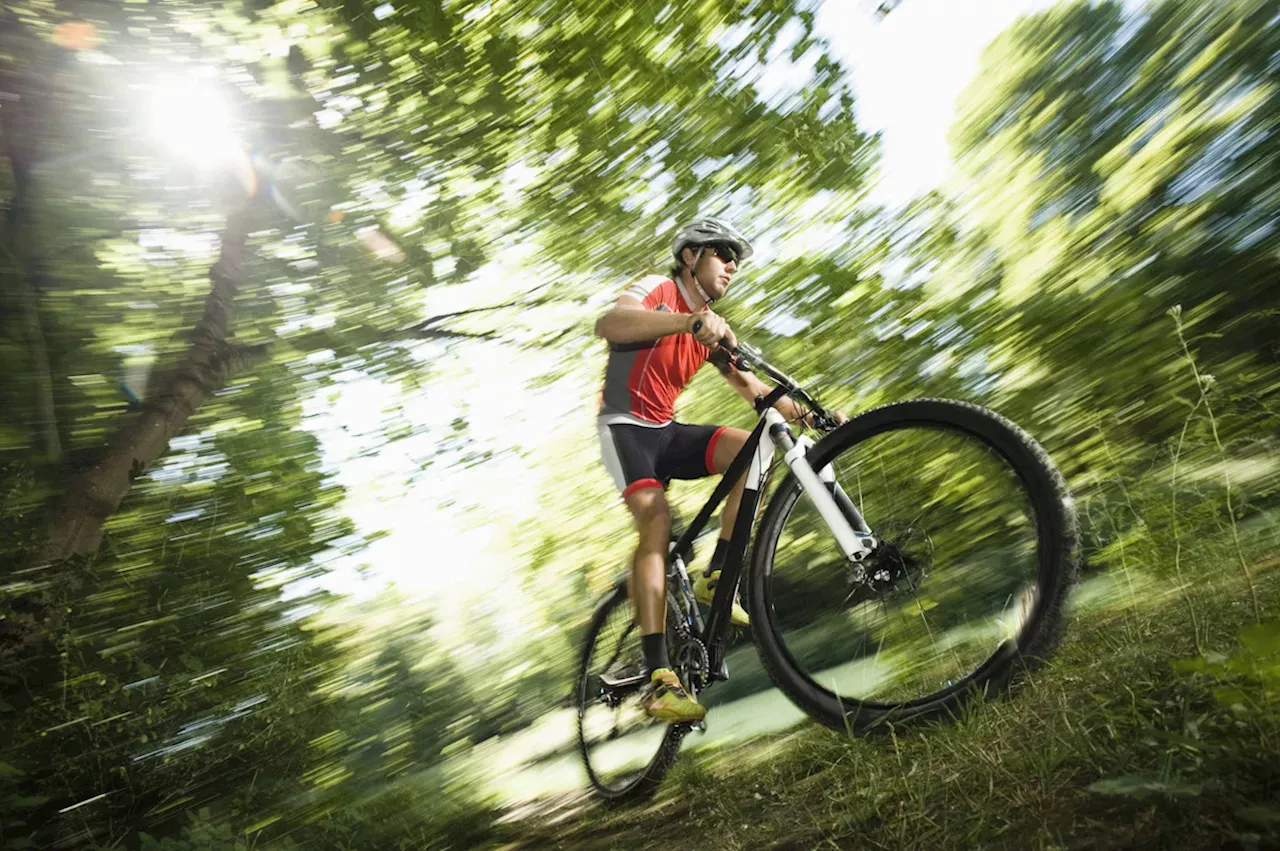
[[833, 504]]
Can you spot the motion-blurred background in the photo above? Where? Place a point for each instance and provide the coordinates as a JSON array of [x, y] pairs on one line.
[[345, 257]]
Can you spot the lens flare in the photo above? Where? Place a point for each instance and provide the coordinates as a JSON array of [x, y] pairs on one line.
[[76, 35], [190, 117]]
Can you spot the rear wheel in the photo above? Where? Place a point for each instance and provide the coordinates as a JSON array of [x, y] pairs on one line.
[[626, 753], [976, 550]]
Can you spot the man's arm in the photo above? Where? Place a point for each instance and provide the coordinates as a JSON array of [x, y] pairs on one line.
[[629, 321]]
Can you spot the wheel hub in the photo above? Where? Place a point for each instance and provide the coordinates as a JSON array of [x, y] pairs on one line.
[[900, 560]]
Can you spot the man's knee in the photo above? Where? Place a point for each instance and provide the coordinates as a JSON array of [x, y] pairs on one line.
[[727, 447], [651, 513]]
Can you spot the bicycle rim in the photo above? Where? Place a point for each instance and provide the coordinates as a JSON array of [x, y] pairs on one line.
[[625, 752], [955, 588]]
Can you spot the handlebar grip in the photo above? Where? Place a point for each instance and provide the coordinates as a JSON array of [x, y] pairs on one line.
[[697, 326]]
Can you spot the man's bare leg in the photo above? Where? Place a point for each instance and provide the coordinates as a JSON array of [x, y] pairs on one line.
[[646, 584], [664, 697]]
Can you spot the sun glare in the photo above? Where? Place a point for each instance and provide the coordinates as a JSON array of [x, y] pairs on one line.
[[190, 117]]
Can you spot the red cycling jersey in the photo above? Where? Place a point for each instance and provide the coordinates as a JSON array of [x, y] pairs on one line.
[[642, 380]]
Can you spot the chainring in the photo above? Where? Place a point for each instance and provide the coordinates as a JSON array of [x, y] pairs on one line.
[[693, 664]]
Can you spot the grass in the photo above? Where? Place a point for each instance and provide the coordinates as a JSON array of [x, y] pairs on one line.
[[1157, 725], [1108, 747]]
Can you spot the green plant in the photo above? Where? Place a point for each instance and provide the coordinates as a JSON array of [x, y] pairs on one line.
[[1248, 678]]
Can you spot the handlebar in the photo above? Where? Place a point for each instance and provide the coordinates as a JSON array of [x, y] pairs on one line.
[[748, 358]]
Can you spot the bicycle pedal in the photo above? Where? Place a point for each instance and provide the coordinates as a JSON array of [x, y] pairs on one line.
[[698, 726]]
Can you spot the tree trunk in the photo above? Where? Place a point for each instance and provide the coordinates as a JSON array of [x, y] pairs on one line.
[[48, 418], [23, 96], [94, 494]]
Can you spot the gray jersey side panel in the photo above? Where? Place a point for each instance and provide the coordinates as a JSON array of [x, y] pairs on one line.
[[617, 396]]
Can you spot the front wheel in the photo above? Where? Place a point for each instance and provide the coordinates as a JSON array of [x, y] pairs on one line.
[[976, 550]]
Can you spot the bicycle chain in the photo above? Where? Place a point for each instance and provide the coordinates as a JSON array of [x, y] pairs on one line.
[[689, 643]]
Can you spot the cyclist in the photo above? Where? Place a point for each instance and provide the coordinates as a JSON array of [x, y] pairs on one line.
[[653, 353]]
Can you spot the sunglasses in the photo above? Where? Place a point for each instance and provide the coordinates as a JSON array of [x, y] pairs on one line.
[[724, 252]]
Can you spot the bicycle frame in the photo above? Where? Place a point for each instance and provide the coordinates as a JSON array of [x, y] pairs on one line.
[[770, 434]]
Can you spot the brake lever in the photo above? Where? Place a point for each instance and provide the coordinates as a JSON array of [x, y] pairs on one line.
[[748, 351]]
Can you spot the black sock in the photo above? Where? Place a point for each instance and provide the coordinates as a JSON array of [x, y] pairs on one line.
[[717, 557], [655, 651]]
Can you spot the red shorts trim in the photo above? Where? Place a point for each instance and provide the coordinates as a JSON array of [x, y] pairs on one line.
[[639, 485], [711, 449]]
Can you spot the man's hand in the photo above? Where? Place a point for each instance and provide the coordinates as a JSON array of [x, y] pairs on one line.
[[713, 329]]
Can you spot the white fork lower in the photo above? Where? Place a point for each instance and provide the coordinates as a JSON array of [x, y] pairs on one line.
[[855, 545]]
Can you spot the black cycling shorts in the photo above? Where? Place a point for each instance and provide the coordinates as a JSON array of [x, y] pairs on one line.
[[639, 457]]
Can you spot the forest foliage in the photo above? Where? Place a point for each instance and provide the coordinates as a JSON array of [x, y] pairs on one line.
[[224, 219]]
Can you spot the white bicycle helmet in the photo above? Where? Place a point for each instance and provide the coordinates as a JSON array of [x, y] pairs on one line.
[[709, 230], [700, 233]]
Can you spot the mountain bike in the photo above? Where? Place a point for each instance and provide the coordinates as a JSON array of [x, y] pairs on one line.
[[912, 559]]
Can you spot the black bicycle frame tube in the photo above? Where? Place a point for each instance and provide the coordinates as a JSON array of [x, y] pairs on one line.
[[715, 633], [718, 617], [738, 466]]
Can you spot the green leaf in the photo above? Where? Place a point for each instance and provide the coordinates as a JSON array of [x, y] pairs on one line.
[[1262, 639], [1232, 697], [1267, 817], [1142, 787], [1198, 665]]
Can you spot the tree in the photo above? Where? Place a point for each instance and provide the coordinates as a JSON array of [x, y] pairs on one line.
[[1114, 164], [396, 160]]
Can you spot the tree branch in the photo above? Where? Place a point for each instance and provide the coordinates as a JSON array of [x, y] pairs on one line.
[[94, 494], [241, 359], [442, 334], [520, 302]]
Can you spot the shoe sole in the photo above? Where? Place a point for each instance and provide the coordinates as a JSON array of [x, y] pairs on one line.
[[675, 718]]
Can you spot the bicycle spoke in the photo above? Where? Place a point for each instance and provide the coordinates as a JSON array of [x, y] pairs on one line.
[[623, 750], [617, 652], [952, 524]]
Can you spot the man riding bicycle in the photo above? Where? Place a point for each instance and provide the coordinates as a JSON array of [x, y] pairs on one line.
[[654, 350]]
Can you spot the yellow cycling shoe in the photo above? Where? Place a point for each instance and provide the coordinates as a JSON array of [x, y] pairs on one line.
[[704, 589], [665, 699]]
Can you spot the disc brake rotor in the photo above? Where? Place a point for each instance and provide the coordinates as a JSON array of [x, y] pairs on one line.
[[902, 557]]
